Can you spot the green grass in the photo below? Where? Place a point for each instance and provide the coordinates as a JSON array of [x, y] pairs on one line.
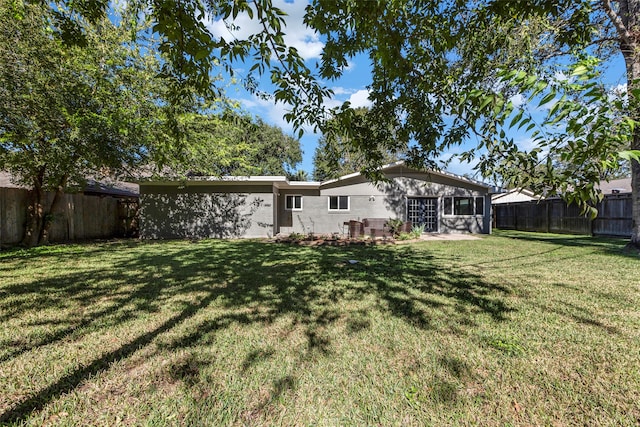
[[512, 329]]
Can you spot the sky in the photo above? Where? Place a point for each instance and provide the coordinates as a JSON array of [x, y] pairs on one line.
[[351, 87]]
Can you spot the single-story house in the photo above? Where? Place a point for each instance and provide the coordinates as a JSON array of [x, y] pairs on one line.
[[615, 186], [264, 206]]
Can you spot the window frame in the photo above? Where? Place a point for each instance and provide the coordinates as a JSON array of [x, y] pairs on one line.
[[475, 205], [338, 204], [293, 207], [451, 208]]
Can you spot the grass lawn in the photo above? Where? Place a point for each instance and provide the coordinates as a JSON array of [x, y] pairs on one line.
[[512, 329]]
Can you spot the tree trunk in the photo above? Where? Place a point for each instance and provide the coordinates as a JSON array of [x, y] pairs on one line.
[[40, 215], [629, 13], [35, 211], [35, 215], [52, 211]]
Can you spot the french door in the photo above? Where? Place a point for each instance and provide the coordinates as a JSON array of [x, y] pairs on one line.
[[423, 211]]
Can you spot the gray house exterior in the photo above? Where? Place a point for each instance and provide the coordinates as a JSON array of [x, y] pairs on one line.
[[264, 206]]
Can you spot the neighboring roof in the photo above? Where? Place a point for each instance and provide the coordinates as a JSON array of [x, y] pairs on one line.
[[615, 186], [5, 181], [112, 188], [514, 195], [106, 187]]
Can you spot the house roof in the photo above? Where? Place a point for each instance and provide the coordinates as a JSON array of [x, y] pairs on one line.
[[522, 191], [615, 186], [281, 182], [105, 187], [401, 165]]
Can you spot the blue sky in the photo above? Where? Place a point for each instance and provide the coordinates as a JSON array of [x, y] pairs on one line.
[[352, 86]]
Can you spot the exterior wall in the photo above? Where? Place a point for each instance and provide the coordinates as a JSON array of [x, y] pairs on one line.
[[251, 209], [168, 212], [385, 200]]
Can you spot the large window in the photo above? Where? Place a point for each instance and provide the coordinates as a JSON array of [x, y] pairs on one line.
[[293, 202], [464, 206], [338, 203]]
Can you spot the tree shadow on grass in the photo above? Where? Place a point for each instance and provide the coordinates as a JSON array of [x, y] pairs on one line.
[[248, 283], [605, 245]]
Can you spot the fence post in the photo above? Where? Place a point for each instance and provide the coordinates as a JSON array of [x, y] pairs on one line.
[[547, 215]]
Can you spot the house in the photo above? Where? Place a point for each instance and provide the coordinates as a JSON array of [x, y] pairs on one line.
[[513, 196], [615, 186], [263, 206]]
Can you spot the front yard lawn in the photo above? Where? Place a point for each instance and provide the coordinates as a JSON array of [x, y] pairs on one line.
[[512, 329]]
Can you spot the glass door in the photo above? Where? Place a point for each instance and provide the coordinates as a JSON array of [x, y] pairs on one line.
[[423, 211]]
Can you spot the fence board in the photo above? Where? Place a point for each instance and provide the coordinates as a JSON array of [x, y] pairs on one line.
[[555, 216], [82, 217]]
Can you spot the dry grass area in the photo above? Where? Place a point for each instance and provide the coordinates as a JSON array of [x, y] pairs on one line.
[[511, 329]]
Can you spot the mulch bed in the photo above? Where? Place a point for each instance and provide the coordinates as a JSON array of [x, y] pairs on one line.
[[335, 242]]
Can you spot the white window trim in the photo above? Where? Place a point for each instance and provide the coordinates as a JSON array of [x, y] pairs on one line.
[[339, 210], [293, 208]]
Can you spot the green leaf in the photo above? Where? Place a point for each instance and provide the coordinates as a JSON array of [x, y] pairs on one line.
[[630, 155], [579, 70], [548, 98], [517, 118]]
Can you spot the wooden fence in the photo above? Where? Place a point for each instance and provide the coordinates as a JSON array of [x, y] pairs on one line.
[[555, 216], [82, 217]]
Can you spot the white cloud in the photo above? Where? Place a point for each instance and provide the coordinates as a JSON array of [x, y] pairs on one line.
[[297, 35], [452, 163], [518, 100], [526, 144], [339, 90], [360, 99], [620, 89]]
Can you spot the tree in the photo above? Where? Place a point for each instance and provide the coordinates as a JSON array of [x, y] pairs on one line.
[[428, 60], [337, 155], [458, 63], [68, 113], [299, 175], [234, 144]]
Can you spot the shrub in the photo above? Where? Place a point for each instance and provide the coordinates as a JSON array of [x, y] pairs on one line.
[[417, 231], [394, 225]]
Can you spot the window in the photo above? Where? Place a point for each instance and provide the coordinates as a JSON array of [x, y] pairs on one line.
[[293, 202], [464, 206], [448, 205], [338, 203], [479, 205]]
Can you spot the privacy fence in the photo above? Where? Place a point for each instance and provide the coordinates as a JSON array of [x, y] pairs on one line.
[[555, 216], [81, 217]]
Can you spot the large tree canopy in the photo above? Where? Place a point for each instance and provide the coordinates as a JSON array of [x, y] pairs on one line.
[[439, 68], [233, 144], [68, 113]]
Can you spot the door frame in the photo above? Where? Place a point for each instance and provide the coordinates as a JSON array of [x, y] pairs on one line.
[[437, 211]]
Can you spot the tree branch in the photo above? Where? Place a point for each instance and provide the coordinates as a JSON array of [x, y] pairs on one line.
[[622, 30]]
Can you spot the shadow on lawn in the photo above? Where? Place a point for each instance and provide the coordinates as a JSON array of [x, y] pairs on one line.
[[605, 245], [247, 282]]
